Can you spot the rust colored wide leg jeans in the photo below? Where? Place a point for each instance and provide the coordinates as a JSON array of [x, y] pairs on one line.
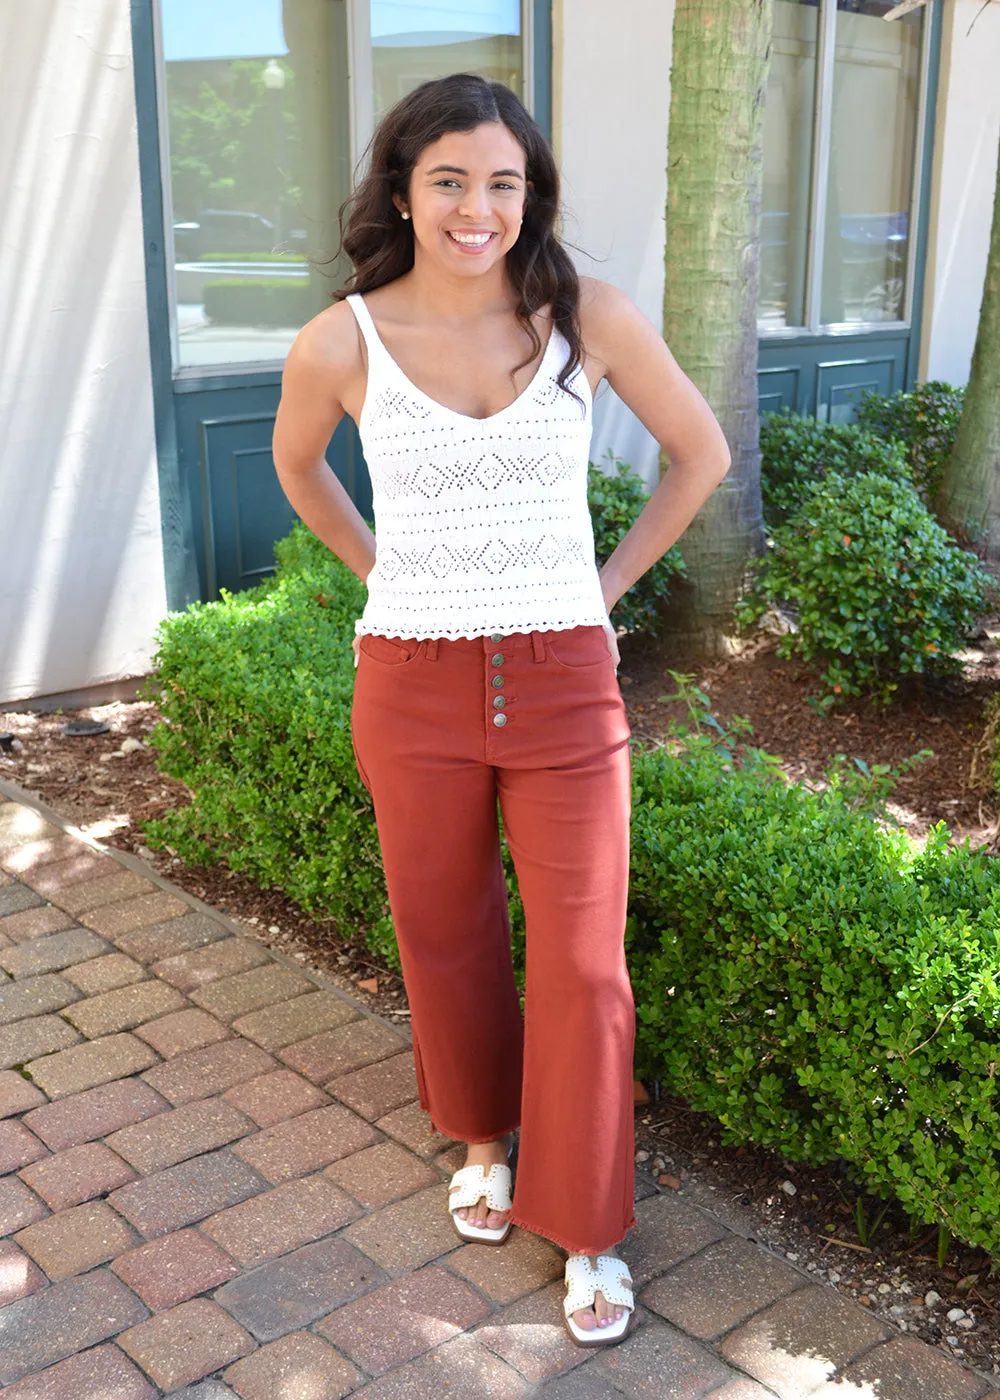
[[442, 729]]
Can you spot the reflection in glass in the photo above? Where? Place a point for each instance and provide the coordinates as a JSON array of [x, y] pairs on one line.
[[870, 186], [413, 41], [787, 151], [257, 120]]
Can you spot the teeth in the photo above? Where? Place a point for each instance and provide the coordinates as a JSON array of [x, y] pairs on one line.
[[475, 240]]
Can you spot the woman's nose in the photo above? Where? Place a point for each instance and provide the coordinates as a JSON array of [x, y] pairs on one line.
[[475, 202]]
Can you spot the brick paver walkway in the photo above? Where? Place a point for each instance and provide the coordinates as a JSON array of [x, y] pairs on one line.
[[217, 1182]]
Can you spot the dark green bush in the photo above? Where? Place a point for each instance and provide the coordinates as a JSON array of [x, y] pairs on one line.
[[816, 982], [924, 420], [796, 453], [259, 301], [615, 499], [256, 691], [877, 588]]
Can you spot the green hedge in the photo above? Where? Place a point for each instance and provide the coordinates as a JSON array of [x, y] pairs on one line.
[[259, 301], [924, 421], [256, 691], [822, 986], [878, 589], [819, 984], [798, 453]]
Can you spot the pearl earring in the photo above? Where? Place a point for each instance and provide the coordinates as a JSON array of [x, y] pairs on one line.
[[405, 214]]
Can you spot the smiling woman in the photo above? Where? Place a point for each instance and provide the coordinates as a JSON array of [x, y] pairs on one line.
[[468, 353]]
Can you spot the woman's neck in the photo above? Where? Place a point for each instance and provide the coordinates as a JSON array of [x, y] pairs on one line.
[[435, 293]]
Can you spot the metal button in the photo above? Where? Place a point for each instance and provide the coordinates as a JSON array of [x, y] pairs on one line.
[[496, 636], [499, 701], [496, 659], [499, 720], [497, 682]]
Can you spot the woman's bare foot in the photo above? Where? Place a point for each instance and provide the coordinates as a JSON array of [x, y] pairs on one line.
[[485, 1154], [603, 1313]]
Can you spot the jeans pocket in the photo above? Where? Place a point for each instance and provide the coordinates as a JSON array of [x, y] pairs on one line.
[[389, 651], [579, 648]]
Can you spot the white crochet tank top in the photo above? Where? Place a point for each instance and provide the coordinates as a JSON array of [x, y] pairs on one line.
[[481, 524]]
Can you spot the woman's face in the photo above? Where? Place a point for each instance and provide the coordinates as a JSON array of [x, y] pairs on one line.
[[466, 198]]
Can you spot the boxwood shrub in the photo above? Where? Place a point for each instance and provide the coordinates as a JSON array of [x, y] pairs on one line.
[[818, 983], [877, 588], [255, 692], [796, 453], [259, 301], [924, 421]]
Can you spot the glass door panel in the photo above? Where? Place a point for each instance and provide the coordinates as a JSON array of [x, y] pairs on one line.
[[787, 153], [257, 131], [413, 40], [869, 192]]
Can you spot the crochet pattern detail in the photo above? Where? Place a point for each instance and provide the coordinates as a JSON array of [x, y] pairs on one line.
[[481, 524]]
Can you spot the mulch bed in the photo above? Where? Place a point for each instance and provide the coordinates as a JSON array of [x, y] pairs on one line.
[[111, 795]]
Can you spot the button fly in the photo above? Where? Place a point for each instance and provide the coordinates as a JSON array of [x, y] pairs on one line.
[[496, 659], [497, 682], [499, 720], [498, 702]]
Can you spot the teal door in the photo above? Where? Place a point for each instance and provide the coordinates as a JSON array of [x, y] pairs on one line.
[[238, 509], [252, 117], [847, 150]]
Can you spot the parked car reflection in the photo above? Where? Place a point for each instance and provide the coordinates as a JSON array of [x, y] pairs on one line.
[[227, 231]]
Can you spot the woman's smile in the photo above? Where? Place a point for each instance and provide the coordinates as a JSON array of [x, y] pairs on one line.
[[471, 240]]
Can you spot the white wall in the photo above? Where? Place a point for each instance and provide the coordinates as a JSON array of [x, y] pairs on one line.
[[611, 112], [81, 566], [965, 163]]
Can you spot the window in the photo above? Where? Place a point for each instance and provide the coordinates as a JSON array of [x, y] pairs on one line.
[[413, 41], [259, 127], [841, 131]]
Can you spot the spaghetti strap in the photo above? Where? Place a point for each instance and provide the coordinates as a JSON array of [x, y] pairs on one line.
[[367, 326]]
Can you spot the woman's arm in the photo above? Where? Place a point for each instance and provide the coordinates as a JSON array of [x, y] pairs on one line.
[[644, 374], [323, 368]]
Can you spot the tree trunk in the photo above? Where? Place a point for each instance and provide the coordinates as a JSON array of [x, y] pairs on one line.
[[969, 498], [714, 175]]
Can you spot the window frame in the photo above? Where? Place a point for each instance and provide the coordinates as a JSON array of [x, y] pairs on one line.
[[535, 61], [818, 183]]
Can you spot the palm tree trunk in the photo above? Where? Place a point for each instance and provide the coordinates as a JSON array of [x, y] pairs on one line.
[[720, 63], [969, 498]]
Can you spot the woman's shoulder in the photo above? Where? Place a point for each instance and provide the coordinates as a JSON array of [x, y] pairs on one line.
[[602, 302], [331, 341], [607, 314]]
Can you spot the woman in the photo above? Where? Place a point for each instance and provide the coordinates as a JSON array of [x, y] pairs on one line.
[[468, 353]]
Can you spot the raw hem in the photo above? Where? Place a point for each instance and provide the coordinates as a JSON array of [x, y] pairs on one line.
[[519, 1219], [493, 1137]]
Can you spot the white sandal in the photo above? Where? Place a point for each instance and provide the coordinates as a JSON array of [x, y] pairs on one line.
[[583, 1282], [470, 1184]]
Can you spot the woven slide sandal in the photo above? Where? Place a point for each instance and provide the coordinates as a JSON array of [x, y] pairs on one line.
[[467, 1186], [583, 1282]]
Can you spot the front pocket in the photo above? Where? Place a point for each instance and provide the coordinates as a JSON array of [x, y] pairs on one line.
[[579, 647], [389, 651]]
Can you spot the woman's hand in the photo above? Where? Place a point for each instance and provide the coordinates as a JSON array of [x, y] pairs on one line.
[[612, 636], [356, 647]]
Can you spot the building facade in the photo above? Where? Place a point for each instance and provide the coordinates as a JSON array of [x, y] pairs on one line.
[[170, 174]]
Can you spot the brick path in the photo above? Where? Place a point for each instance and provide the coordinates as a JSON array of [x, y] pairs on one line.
[[217, 1182]]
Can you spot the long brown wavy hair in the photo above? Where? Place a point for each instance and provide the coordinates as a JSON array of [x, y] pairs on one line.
[[379, 242]]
